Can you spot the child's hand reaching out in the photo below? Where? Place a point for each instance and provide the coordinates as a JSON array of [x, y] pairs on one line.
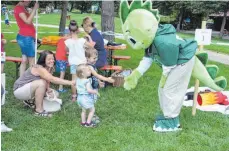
[[101, 84]]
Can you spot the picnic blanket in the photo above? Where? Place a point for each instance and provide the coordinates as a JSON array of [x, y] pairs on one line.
[[224, 109]]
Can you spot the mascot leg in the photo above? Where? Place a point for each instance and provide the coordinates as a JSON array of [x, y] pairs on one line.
[[171, 97]]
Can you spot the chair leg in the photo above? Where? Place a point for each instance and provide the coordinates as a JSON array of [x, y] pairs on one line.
[[107, 73], [104, 73], [115, 62], [17, 69]]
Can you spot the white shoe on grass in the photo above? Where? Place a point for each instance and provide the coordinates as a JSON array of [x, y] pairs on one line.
[[4, 128]]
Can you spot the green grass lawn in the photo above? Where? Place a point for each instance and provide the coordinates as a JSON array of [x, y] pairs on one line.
[[126, 118]]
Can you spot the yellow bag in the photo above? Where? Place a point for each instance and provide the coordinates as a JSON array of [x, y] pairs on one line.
[[50, 40]]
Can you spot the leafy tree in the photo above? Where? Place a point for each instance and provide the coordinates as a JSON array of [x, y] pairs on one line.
[[71, 5], [182, 8], [223, 7], [83, 6], [210, 7], [202, 8], [164, 7]]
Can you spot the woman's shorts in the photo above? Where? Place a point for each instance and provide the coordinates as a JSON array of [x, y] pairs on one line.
[[27, 45], [61, 65], [24, 92], [86, 101]]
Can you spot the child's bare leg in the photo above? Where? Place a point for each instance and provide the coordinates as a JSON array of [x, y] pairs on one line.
[[83, 115], [2, 67], [73, 88], [91, 114], [62, 74]]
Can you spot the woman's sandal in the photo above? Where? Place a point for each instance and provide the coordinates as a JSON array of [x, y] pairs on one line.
[[74, 97], [43, 114], [90, 125], [29, 103]]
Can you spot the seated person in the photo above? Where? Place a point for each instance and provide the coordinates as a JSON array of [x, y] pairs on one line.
[[34, 82], [89, 27]]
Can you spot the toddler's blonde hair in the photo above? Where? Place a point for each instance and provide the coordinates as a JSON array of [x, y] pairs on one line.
[[80, 70], [89, 52]]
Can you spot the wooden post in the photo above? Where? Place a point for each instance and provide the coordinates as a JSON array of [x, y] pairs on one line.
[[35, 59], [197, 83]]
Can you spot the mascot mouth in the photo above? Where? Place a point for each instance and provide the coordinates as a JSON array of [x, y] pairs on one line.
[[132, 40], [133, 43]]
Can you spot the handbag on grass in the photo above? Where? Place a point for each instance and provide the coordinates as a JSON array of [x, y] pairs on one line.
[[51, 101]]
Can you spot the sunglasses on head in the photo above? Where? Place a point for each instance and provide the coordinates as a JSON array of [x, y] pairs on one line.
[[92, 24]]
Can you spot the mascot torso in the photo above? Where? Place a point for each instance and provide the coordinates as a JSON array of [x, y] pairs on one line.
[[169, 49]]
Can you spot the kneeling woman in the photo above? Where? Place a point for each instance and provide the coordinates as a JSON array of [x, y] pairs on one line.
[[34, 82]]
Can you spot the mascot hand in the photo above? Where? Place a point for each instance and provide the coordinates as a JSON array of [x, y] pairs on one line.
[[132, 80], [162, 81]]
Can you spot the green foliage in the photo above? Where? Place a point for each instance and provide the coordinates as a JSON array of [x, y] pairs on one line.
[[164, 7], [207, 7], [167, 19], [83, 6]]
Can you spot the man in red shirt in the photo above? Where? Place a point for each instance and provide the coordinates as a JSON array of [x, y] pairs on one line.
[[26, 35]]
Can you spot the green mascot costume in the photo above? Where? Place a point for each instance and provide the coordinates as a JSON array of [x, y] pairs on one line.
[[176, 56]]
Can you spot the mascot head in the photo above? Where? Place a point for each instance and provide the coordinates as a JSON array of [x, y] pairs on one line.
[[139, 23]]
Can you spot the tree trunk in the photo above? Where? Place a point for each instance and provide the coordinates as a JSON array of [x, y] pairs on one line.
[[180, 18], [72, 6], [63, 17], [55, 4], [107, 19], [223, 24]]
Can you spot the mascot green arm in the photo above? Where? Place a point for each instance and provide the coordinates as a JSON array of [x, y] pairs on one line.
[[141, 29], [132, 80]]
